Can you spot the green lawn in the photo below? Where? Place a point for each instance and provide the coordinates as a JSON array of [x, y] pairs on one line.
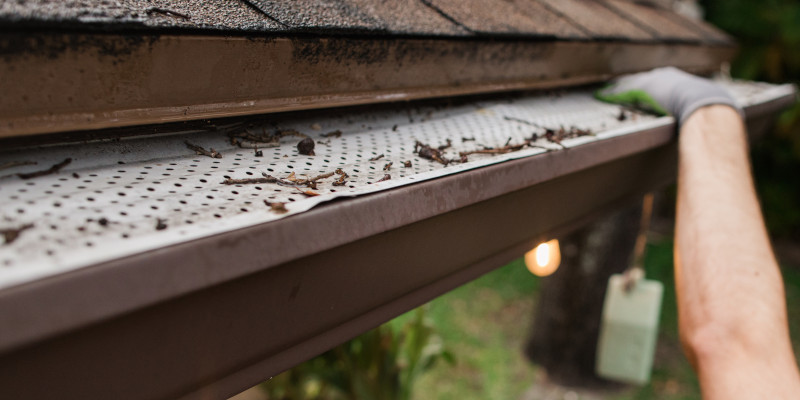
[[485, 323]]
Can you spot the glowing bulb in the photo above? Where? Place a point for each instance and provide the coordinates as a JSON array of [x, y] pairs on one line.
[[542, 255], [544, 259]]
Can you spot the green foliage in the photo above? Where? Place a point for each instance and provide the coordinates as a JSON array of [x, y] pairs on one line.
[[382, 364], [768, 33]]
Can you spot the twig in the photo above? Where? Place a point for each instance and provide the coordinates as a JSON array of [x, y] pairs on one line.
[[247, 181], [507, 118], [376, 158], [203, 152], [388, 166], [52, 170], [385, 178], [552, 136], [310, 182]]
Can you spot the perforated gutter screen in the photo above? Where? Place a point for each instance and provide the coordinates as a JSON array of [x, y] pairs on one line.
[[140, 240]]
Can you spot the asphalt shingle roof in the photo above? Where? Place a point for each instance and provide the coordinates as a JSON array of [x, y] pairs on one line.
[[542, 19]]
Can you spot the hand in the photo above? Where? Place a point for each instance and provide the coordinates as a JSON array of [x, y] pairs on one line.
[[665, 91]]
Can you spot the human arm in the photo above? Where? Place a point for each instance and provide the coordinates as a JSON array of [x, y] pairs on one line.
[[732, 312], [731, 304]]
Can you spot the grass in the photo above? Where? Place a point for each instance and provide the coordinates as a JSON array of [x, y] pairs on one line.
[[485, 324]]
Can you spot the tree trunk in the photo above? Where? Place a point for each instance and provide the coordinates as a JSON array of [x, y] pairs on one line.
[[566, 323]]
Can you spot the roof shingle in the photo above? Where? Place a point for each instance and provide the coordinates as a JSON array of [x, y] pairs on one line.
[[507, 17]]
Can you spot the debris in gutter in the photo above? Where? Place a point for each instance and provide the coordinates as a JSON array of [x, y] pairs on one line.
[[622, 116], [277, 207], [247, 139], [429, 153], [310, 182], [388, 166], [555, 135], [385, 178], [291, 132], [467, 139], [279, 181], [254, 142], [75, 175], [448, 145], [316, 126], [103, 221], [247, 181], [259, 153], [376, 158], [407, 164], [13, 164], [335, 134], [508, 148], [12, 234], [342, 177], [203, 152], [394, 128], [308, 193], [52, 170], [306, 147], [161, 224]]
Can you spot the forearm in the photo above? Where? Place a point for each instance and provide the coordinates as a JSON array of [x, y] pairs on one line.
[[730, 293]]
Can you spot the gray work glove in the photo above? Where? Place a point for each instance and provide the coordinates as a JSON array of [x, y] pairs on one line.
[[665, 91]]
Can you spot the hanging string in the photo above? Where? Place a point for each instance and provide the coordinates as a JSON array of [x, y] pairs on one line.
[[635, 271]]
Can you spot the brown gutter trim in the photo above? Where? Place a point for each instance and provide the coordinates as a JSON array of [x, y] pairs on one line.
[[39, 309], [189, 329], [277, 317], [68, 82], [289, 357], [69, 301]]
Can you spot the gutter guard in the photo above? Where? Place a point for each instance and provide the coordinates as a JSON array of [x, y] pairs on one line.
[[309, 281]]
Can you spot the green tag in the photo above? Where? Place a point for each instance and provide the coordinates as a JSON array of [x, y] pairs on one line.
[[629, 330]]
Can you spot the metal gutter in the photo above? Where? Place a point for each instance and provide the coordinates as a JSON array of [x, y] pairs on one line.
[[58, 82], [208, 317]]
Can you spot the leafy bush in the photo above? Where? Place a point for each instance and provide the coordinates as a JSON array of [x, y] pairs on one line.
[[768, 33], [382, 364]]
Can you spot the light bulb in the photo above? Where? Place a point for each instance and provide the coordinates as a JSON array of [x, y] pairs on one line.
[[544, 259]]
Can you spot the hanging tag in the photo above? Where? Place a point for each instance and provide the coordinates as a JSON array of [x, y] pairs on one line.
[[629, 330]]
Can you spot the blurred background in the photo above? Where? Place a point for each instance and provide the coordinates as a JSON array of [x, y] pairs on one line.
[[476, 341]]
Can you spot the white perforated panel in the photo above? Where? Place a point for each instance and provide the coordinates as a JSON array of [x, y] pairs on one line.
[[117, 198]]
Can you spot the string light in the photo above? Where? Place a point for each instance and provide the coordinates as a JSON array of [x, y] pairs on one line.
[[544, 259]]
